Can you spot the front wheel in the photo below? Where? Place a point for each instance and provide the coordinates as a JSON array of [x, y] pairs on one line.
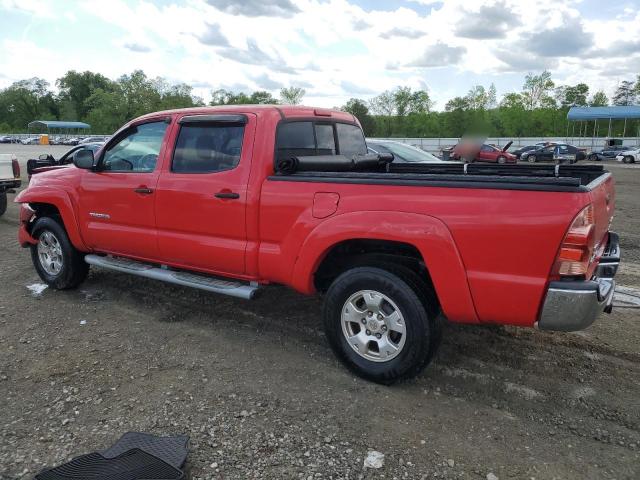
[[628, 159], [502, 159], [56, 260], [532, 159], [593, 157], [378, 326]]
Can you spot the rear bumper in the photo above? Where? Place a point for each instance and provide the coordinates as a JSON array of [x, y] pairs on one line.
[[574, 305]]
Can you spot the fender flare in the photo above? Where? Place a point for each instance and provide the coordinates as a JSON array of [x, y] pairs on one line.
[[429, 235], [61, 200]]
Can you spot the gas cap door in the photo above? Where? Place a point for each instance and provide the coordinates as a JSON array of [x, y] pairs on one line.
[[325, 204]]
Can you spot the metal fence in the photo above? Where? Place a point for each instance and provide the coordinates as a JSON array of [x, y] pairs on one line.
[[435, 145]]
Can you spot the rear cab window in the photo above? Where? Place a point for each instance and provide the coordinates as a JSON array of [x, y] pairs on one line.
[[313, 138]]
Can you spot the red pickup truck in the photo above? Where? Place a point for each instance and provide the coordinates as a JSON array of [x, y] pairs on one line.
[[231, 199]]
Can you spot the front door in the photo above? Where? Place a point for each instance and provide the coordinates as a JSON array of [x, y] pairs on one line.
[[117, 207], [202, 194]]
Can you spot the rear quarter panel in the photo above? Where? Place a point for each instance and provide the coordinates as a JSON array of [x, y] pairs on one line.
[[488, 251]]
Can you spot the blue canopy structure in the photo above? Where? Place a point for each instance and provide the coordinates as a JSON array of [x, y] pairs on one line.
[[588, 114], [600, 113], [58, 124]]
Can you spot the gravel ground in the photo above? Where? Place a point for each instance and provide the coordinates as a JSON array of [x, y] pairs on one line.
[[257, 388]]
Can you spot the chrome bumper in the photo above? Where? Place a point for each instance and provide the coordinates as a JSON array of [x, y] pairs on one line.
[[574, 305]]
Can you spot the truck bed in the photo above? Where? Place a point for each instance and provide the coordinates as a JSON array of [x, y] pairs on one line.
[[557, 178]]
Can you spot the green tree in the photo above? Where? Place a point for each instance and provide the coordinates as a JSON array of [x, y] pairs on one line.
[[599, 99], [358, 108], [292, 95], [536, 89], [625, 93], [75, 88], [385, 106], [479, 98], [572, 95], [27, 100], [513, 100]]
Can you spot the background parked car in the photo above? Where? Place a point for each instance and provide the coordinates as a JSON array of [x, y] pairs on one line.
[[72, 141], [47, 160], [482, 152], [30, 141], [401, 152], [607, 153], [6, 139], [527, 148], [91, 140], [560, 152], [629, 156]]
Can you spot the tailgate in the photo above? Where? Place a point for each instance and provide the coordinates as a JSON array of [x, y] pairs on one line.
[[603, 199], [6, 169]]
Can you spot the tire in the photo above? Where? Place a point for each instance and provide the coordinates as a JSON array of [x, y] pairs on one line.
[[56, 260], [629, 159], [531, 159], [502, 160], [3, 203], [396, 355], [594, 158]]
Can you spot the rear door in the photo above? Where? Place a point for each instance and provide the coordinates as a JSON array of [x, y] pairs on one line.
[[202, 193], [117, 200]]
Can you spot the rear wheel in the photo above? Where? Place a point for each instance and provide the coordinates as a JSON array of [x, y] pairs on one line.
[[593, 157], [377, 323], [629, 159], [532, 159], [56, 260], [3, 202]]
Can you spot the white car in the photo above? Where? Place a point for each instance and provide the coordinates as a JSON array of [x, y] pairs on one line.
[[629, 156], [9, 178], [402, 153]]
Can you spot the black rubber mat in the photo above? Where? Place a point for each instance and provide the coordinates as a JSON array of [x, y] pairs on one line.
[[172, 450], [134, 464]]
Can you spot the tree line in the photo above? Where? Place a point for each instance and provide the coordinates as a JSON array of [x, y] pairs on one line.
[[538, 109]]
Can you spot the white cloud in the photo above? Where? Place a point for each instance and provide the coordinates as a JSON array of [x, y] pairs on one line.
[[336, 49]]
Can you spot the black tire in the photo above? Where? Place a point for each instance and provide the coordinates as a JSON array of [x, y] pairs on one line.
[[423, 325], [74, 269], [594, 158], [502, 160], [629, 159], [531, 159], [3, 203]]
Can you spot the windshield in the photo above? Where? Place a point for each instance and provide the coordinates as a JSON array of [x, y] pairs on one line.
[[405, 152]]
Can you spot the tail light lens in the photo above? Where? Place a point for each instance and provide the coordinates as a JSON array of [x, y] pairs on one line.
[[16, 168], [578, 246]]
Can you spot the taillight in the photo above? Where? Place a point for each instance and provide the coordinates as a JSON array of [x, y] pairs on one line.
[[577, 249], [16, 168]]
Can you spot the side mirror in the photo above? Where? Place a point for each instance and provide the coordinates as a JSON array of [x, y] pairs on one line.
[[84, 159], [44, 156]]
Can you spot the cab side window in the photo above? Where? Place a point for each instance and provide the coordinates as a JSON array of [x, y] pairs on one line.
[[296, 139], [308, 138], [350, 140], [207, 147], [138, 151]]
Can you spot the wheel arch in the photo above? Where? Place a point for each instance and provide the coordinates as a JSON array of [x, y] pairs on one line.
[[54, 202], [417, 238]]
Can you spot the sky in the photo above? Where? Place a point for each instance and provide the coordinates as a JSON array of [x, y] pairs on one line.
[[334, 49]]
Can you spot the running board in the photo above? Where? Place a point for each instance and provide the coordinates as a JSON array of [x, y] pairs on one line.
[[179, 277]]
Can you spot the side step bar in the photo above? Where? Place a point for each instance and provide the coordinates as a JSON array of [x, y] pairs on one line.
[[179, 277]]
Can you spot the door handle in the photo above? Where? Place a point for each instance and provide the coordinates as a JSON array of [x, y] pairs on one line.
[[143, 190], [229, 195]]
